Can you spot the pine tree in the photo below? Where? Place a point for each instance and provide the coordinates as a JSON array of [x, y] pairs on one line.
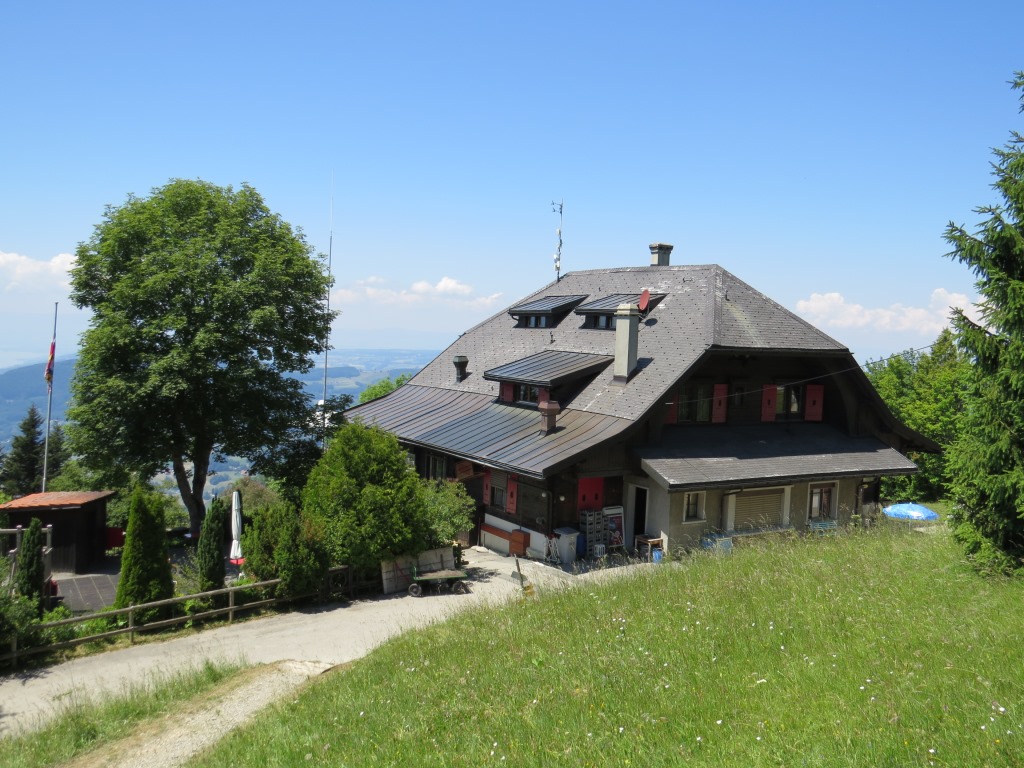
[[145, 568], [23, 465], [987, 462], [210, 552], [28, 578]]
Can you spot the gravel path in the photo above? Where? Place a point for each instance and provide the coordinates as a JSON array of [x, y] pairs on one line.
[[292, 647]]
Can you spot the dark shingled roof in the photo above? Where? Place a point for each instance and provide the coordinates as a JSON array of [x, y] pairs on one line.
[[741, 456], [704, 307]]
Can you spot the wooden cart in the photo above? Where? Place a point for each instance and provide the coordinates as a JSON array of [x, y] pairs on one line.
[[442, 581]]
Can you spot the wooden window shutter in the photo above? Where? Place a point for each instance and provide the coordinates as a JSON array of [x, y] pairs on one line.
[[719, 404], [769, 392], [511, 491], [506, 392], [814, 402], [487, 486]]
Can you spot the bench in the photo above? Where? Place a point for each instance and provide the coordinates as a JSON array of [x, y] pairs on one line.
[[821, 527]]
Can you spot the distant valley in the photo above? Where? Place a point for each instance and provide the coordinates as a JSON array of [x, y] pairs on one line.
[[349, 372]]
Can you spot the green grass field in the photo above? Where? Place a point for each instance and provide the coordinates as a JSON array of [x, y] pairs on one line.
[[876, 648]]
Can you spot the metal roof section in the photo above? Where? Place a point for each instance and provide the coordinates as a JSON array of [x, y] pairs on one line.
[[607, 304], [547, 305], [759, 455], [549, 368], [475, 427]]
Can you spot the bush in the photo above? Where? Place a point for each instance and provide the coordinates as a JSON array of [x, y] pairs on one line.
[[28, 578], [449, 508], [282, 544], [981, 551], [51, 635], [17, 619], [367, 499]]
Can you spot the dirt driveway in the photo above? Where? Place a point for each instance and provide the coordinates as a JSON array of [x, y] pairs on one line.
[[310, 641]]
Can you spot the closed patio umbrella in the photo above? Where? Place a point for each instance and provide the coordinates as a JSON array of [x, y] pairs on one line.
[[235, 555]]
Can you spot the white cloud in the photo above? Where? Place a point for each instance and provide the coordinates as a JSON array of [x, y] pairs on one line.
[[19, 274], [832, 310], [377, 292], [28, 290]]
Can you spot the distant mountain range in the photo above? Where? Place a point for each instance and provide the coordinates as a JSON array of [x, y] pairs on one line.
[[349, 371]]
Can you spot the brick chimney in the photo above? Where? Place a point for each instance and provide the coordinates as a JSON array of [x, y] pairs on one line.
[[659, 254], [549, 410], [627, 326]]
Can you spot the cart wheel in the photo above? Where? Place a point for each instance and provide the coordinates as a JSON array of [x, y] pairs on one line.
[[460, 588], [416, 589]]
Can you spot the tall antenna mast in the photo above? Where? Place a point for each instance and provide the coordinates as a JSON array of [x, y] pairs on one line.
[[330, 254], [557, 208]]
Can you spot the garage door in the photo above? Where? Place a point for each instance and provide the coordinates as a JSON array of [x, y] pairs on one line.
[[758, 509]]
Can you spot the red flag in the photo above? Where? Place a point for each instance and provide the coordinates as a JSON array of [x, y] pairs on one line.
[[49, 364]]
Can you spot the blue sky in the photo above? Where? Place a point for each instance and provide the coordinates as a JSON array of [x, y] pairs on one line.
[[815, 150]]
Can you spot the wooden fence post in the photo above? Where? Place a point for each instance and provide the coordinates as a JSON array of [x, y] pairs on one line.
[[231, 606], [131, 625]]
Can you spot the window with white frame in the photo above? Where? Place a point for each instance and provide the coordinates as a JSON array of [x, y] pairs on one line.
[[819, 506], [693, 507]]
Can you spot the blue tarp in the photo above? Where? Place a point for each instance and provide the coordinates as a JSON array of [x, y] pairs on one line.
[[910, 511]]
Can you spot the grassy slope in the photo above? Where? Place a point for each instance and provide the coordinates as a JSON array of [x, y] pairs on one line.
[[871, 649]]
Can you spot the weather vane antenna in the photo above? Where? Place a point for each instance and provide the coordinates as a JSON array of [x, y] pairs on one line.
[[558, 208]]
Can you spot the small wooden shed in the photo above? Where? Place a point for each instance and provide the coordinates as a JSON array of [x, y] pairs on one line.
[[79, 520]]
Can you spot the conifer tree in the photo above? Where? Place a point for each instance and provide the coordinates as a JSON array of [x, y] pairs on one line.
[[28, 578], [145, 568], [210, 553], [23, 464], [987, 462]]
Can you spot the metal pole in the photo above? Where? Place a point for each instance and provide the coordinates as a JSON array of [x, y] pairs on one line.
[[49, 396]]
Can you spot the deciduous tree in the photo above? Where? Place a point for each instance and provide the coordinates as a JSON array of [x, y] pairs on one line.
[[203, 302], [383, 387], [987, 462]]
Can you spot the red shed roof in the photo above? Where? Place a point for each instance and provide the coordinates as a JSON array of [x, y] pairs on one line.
[[64, 499]]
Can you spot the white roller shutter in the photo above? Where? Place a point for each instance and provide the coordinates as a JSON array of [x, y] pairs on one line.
[[758, 509]]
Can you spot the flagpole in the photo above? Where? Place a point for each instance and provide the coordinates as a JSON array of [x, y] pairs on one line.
[[49, 395]]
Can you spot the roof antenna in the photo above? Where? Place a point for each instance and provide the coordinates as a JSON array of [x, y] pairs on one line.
[[557, 208]]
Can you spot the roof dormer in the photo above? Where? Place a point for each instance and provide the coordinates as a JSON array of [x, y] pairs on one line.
[[545, 312]]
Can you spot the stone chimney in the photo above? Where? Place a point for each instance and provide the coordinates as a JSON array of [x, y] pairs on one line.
[[627, 326], [461, 362], [549, 410], [659, 254]]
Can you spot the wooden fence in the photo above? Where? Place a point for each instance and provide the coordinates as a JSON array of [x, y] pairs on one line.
[[335, 583]]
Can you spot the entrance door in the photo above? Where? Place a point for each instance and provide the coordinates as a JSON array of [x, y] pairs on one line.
[[639, 511]]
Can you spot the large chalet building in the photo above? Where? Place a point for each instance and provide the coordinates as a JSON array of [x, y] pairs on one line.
[[648, 407]]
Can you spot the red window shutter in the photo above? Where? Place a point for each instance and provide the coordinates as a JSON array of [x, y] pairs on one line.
[[815, 401], [506, 391], [511, 491], [590, 493], [719, 405], [487, 486], [543, 395], [671, 409], [769, 392]]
